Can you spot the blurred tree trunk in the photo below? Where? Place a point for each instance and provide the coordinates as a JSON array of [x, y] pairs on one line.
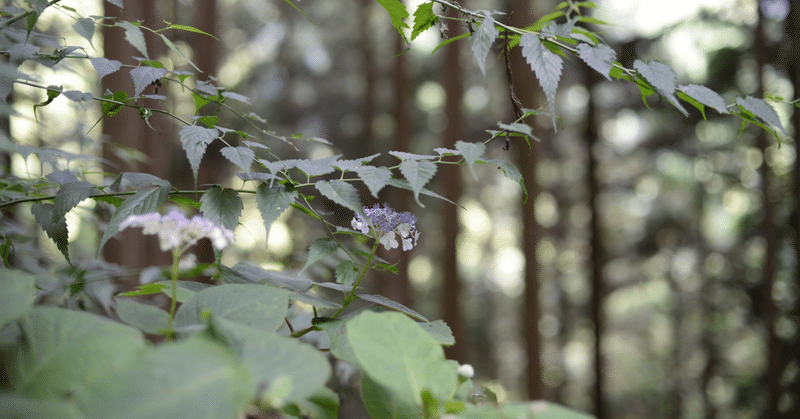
[[524, 83], [772, 373], [126, 129], [452, 311], [597, 258]]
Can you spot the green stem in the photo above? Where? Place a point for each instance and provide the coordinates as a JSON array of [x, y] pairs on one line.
[[352, 295], [176, 256]]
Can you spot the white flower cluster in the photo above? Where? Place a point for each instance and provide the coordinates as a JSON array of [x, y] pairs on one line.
[[386, 225], [174, 230]]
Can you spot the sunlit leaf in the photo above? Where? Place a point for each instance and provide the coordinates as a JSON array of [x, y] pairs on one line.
[[418, 173], [240, 156], [134, 37], [341, 193], [662, 78], [600, 57], [221, 206], [272, 202], [144, 75], [194, 140], [546, 65], [471, 153], [423, 19], [374, 177]]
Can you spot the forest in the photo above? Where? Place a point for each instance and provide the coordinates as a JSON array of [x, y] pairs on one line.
[[399, 209]]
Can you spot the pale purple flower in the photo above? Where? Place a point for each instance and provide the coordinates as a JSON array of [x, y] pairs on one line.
[[385, 224], [174, 230]]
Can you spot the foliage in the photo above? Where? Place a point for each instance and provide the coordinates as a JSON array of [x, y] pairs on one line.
[[225, 350]]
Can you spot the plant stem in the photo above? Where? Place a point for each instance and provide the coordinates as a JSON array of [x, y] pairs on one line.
[[352, 295], [176, 255]]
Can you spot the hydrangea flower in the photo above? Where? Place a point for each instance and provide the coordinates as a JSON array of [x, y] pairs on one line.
[[174, 230], [386, 225]]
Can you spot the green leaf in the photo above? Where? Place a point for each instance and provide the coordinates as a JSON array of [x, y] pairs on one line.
[[142, 202], [386, 302], [346, 273], [186, 289], [222, 206], [55, 227], [85, 28], [182, 200], [471, 153], [16, 406], [546, 65], [17, 293], [512, 173], [341, 193], [194, 140], [144, 75], [418, 173], [423, 19], [69, 195], [134, 37], [397, 12], [104, 67], [272, 202], [109, 108], [145, 317], [274, 361], [250, 273], [52, 93], [374, 177], [320, 249], [600, 57], [705, 96], [396, 353], [662, 78], [439, 330], [252, 305], [352, 165], [381, 402], [762, 110], [481, 40], [316, 167], [67, 350], [187, 28], [453, 39], [242, 157], [177, 50], [145, 289]]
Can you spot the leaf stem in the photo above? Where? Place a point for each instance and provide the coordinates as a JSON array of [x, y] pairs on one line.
[[352, 295]]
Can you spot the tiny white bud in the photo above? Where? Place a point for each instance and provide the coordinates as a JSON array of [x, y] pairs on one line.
[[466, 371]]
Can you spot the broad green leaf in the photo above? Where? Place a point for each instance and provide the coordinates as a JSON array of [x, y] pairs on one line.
[[65, 350], [242, 157], [194, 140], [250, 273], [337, 334], [546, 65], [274, 361], [374, 177], [186, 289], [111, 108], [705, 96], [347, 272], [423, 19], [104, 66], [17, 292], [396, 353], [147, 318], [194, 379], [253, 305], [600, 57], [143, 75], [762, 110], [386, 302], [481, 40], [222, 206], [272, 202], [320, 249], [341, 193], [55, 227], [142, 202], [381, 402], [471, 153], [16, 406], [540, 409], [418, 173], [662, 78], [397, 12], [69, 195], [134, 37], [439, 330]]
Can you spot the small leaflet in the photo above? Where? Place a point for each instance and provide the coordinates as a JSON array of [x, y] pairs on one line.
[[762, 110]]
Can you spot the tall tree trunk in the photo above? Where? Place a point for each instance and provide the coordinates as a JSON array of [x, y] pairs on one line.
[[126, 129], [772, 374], [451, 189], [531, 230]]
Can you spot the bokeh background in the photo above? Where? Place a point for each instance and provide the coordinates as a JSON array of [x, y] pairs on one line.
[[652, 271]]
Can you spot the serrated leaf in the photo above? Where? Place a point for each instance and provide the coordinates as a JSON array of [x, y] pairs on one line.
[[222, 206], [61, 177], [237, 97], [471, 152], [319, 249], [316, 167], [411, 156], [117, 3], [272, 202], [144, 75], [69, 196], [56, 229], [423, 19], [341, 193], [134, 37], [110, 108], [600, 57], [104, 66], [481, 41], [553, 29], [397, 12], [85, 28], [374, 177], [194, 140], [141, 202], [352, 165], [546, 65], [762, 110], [662, 78], [346, 273], [418, 173], [383, 301], [512, 173], [705, 96], [77, 96], [240, 156]]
